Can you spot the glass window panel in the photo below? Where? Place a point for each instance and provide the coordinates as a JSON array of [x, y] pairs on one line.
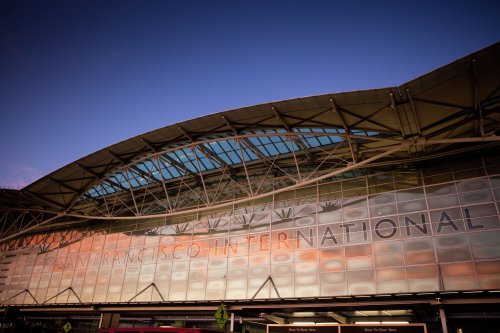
[[380, 179], [329, 253], [358, 250], [381, 188], [281, 220], [333, 278], [472, 185], [489, 267], [422, 272], [421, 244], [388, 247], [489, 282], [354, 263], [454, 241], [305, 221], [353, 183], [423, 285], [361, 288], [238, 262], [475, 197], [352, 203], [420, 257], [263, 270], [279, 258], [486, 252], [497, 194], [485, 238], [391, 274], [447, 215], [469, 174], [440, 190], [306, 267], [334, 289], [411, 206], [381, 199], [332, 265], [354, 192], [436, 169], [460, 283], [444, 201], [481, 210], [458, 269], [329, 214], [306, 256], [467, 164], [360, 276], [448, 227], [355, 214], [238, 272], [306, 210], [414, 225], [383, 210], [438, 179], [330, 188], [395, 286], [197, 275], [385, 228], [358, 237], [454, 254], [282, 269], [387, 260]]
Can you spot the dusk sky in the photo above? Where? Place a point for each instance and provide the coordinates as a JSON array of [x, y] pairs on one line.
[[78, 76]]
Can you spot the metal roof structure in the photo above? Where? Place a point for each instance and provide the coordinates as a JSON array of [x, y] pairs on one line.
[[252, 153]]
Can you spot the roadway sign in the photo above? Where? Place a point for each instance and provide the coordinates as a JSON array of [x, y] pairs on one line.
[[221, 316], [67, 327]]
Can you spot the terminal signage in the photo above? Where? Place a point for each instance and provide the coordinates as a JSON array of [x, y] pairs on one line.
[[391, 328], [302, 328], [371, 328]]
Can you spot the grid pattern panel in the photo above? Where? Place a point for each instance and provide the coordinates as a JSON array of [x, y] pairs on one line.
[[434, 229]]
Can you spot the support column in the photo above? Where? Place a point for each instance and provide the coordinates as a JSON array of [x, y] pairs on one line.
[[442, 318], [109, 320]]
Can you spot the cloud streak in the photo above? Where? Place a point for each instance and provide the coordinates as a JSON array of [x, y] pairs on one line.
[[20, 177]]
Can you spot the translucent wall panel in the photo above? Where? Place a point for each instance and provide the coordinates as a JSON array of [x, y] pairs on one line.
[[427, 230]]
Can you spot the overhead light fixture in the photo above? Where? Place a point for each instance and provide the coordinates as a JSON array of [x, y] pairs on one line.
[[396, 322], [303, 323], [367, 322]]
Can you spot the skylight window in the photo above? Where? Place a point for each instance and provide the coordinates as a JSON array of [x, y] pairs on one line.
[[180, 161]]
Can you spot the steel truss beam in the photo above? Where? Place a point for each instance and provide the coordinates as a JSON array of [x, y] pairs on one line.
[[143, 199], [390, 150]]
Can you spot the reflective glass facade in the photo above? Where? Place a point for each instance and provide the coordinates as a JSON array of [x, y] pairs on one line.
[[425, 229]]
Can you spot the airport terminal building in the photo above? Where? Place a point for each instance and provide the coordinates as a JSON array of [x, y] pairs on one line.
[[378, 206]]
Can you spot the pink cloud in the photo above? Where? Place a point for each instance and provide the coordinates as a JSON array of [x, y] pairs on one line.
[[20, 177]]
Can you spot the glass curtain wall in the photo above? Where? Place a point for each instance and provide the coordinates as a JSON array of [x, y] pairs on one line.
[[417, 230]]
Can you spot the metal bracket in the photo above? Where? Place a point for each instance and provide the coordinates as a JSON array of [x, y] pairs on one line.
[[269, 278], [61, 292], [143, 290]]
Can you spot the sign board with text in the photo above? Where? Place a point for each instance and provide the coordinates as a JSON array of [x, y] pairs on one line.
[[348, 328]]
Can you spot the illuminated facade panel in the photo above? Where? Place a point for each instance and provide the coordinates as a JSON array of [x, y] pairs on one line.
[[433, 228]]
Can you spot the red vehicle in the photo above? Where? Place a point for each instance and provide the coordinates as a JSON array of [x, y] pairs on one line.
[[156, 330]]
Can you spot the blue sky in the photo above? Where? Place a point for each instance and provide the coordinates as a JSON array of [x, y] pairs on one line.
[[78, 76]]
